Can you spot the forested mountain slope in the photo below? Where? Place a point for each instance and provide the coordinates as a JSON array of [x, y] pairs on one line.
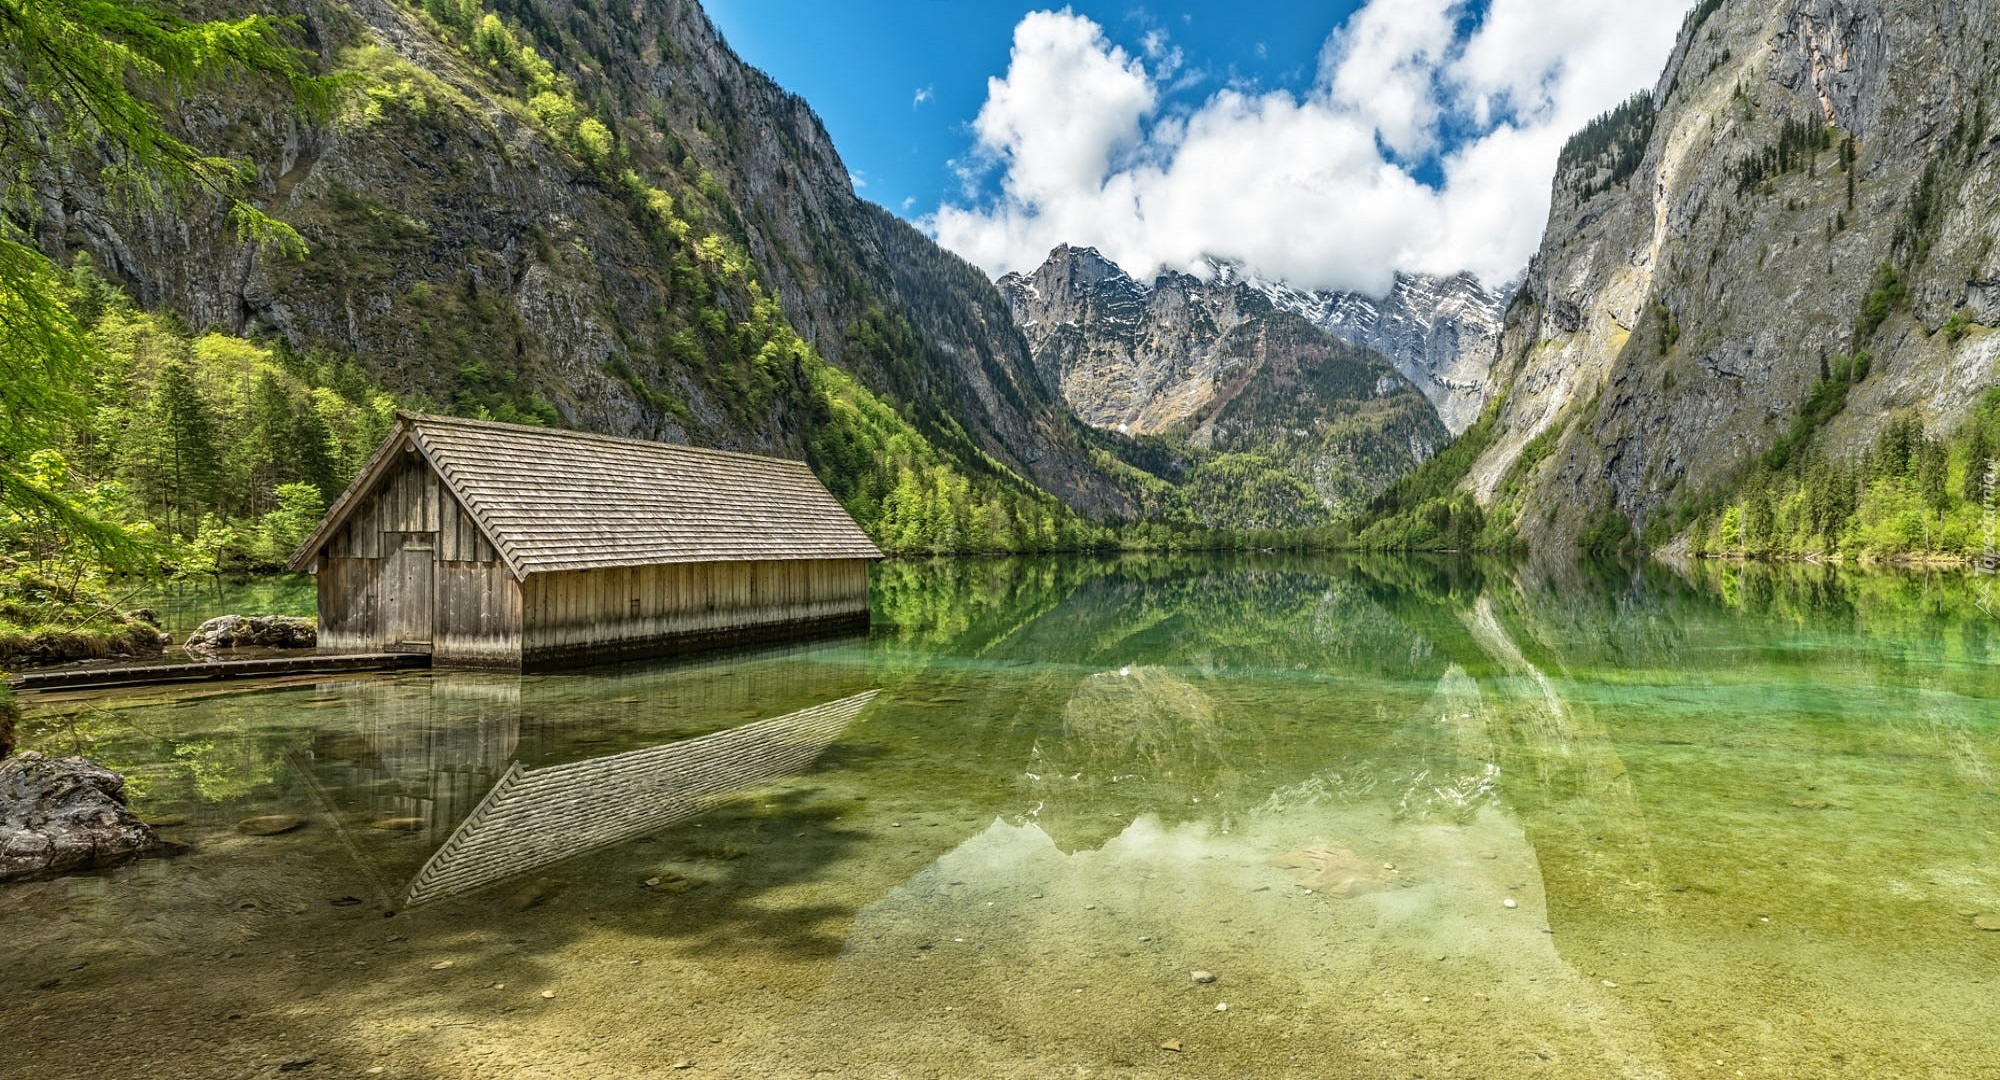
[[1760, 316], [602, 218]]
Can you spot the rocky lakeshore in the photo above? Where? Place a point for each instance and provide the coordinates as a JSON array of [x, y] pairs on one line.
[[61, 814]]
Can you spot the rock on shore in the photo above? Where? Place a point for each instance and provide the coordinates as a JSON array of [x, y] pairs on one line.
[[256, 632], [60, 814]]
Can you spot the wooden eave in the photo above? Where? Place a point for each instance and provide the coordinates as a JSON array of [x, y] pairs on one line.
[[406, 433]]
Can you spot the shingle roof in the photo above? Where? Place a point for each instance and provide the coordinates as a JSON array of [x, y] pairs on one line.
[[563, 500], [534, 818]]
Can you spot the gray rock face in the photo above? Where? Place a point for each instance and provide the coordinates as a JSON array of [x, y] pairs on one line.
[[60, 814], [1142, 360], [1218, 364], [1441, 333], [255, 632], [1983, 298], [1675, 320], [1146, 358]]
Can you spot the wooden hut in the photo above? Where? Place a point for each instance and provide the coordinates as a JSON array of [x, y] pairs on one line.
[[498, 545]]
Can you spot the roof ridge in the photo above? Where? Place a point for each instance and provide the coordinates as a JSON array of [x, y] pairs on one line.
[[432, 419]]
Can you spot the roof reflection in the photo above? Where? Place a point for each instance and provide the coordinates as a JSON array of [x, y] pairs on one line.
[[533, 818]]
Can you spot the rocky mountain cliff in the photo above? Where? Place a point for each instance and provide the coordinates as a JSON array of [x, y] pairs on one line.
[[1787, 244], [1219, 366], [577, 212], [1441, 333]]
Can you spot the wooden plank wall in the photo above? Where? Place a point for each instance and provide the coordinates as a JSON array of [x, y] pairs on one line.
[[623, 606], [475, 606], [478, 615]]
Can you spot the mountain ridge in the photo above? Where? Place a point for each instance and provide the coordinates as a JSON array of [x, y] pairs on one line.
[[604, 220], [1441, 333], [1217, 367]]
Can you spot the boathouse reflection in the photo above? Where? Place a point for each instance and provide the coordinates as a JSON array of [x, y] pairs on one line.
[[460, 782], [534, 818]]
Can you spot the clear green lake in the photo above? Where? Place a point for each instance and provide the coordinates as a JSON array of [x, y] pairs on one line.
[[1187, 816]]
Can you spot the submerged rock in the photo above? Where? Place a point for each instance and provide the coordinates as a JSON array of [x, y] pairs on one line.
[[531, 894], [60, 814], [1336, 872], [269, 824], [258, 632]]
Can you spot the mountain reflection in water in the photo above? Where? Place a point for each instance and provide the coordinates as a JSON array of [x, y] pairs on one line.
[[1416, 815]]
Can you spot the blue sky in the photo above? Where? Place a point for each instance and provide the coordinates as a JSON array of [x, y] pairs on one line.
[[862, 64], [1329, 145]]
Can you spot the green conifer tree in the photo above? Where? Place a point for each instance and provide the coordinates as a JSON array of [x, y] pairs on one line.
[[186, 464], [85, 63]]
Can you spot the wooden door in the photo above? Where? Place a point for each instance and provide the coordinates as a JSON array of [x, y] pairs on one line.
[[410, 592]]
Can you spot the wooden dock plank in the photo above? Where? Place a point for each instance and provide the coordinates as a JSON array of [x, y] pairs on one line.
[[152, 674]]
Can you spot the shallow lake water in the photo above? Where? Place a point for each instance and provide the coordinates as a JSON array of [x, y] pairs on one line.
[[1414, 818]]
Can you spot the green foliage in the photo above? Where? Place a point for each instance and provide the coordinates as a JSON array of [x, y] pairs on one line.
[[1698, 16], [281, 532], [45, 359], [1915, 233], [486, 393], [1447, 523], [53, 590], [593, 142], [177, 455], [1799, 144], [1529, 459], [1611, 146], [84, 62], [1850, 154], [1610, 535], [83, 59], [1885, 295], [1670, 328], [1956, 326], [1828, 397], [911, 499], [45, 544], [1425, 510], [204, 450], [1254, 492], [493, 43], [1910, 494]]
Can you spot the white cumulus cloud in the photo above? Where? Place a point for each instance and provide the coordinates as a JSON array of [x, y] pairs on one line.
[[1319, 187]]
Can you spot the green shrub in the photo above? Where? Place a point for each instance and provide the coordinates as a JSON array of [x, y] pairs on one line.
[[1887, 294], [1957, 326]]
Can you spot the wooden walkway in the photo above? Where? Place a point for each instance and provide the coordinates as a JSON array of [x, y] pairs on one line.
[[269, 667]]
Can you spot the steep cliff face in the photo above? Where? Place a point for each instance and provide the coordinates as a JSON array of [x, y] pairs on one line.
[[832, 258], [471, 248], [1143, 360], [1125, 354], [1441, 333], [1811, 180], [1219, 366]]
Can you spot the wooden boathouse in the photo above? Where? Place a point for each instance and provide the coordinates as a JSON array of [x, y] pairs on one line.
[[504, 546]]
